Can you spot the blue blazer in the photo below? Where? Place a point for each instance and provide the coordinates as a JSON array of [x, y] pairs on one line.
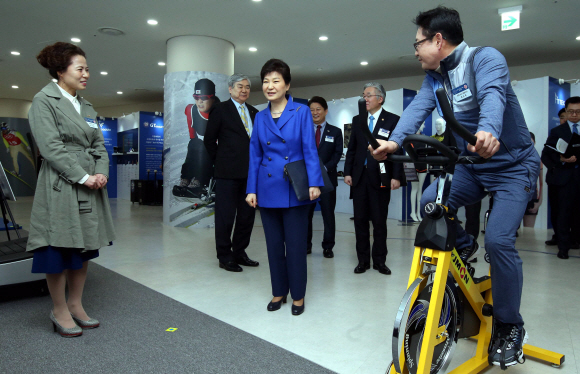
[[272, 146]]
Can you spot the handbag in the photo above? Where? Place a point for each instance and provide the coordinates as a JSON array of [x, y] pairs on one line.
[[295, 173]]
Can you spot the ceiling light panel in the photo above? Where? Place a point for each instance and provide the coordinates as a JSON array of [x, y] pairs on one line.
[[75, 40], [161, 63], [364, 63], [152, 22], [15, 53], [253, 49], [323, 38]]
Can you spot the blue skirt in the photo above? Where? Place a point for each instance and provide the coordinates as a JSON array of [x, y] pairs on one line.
[[54, 260]]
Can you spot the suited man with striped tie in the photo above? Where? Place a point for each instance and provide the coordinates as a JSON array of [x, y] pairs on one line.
[[227, 140]]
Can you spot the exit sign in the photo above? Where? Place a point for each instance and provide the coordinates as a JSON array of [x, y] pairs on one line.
[[510, 18]]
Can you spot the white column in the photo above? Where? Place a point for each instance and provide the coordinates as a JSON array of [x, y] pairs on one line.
[[200, 53]]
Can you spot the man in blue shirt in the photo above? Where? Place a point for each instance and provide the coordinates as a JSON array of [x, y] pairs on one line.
[[477, 83]]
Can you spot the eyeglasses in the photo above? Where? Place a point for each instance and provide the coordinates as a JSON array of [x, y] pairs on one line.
[[571, 112], [202, 97], [417, 44], [369, 96]]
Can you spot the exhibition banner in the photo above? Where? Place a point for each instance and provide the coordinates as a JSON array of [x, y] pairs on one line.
[[109, 130], [150, 145], [188, 191], [19, 158]]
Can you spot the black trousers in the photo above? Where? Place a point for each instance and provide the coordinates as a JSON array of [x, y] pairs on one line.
[[472, 219], [327, 205], [370, 202], [230, 206], [197, 163], [568, 226], [554, 204]]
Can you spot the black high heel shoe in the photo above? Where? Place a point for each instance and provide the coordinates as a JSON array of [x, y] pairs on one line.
[[298, 310], [273, 306]]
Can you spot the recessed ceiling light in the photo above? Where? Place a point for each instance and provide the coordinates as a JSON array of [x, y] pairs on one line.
[[319, 69], [15, 53], [323, 38], [364, 63], [253, 49], [256, 1], [14, 86], [119, 92], [578, 38], [104, 73], [75, 40], [54, 80], [161, 63], [152, 22]]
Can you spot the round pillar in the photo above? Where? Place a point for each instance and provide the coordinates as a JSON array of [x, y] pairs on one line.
[[200, 53]]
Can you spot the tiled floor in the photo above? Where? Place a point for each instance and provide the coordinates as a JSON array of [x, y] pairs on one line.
[[347, 325]]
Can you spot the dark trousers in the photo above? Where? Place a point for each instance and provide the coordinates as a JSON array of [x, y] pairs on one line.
[[286, 230], [230, 206], [568, 207], [197, 163], [327, 205], [373, 203], [554, 207], [472, 219]]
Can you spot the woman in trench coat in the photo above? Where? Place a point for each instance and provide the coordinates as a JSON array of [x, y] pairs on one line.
[[71, 217]]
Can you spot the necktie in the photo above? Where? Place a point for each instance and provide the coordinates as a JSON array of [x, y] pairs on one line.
[[245, 120], [575, 126], [370, 128], [318, 135]]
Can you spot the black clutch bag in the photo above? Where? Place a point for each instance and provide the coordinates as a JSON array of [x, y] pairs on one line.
[[295, 173]]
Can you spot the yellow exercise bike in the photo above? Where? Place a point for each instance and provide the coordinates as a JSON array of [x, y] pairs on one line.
[[443, 302]]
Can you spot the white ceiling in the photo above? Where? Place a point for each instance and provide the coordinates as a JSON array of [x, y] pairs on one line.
[[380, 32]]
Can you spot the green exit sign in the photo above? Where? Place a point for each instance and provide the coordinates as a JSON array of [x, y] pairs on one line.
[[510, 18]]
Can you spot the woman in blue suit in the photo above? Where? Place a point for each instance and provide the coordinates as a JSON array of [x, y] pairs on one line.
[[283, 133]]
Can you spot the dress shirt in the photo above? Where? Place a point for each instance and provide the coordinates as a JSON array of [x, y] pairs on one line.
[[322, 126], [248, 117], [76, 103], [376, 118], [571, 124]]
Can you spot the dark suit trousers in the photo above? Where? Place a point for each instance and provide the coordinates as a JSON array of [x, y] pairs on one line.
[[569, 206], [472, 219], [553, 192], [230, 206], [286, 230], [373, 203], [327, 205]]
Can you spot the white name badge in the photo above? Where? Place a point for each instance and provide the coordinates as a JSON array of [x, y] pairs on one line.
[[461, 92], [385, 133], [91, 122], [329, 139]]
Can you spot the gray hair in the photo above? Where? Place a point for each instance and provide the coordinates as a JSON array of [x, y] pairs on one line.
[[379, 87], [238, 78]]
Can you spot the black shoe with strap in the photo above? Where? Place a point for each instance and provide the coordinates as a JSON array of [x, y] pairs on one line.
[[506, 345]]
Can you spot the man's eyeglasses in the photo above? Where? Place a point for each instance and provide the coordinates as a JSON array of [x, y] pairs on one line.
[[417, 44], [368, 96], [202, 97], [571, 112]]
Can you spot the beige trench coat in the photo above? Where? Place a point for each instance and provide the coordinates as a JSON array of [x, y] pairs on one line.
[[65, 213]]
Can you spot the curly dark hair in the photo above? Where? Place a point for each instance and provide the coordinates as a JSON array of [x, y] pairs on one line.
[[57, 57]]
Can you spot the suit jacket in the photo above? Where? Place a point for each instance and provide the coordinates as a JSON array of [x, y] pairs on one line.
[[558, 174], [358, 151], [227, 141], [272, 146], [330, 150]]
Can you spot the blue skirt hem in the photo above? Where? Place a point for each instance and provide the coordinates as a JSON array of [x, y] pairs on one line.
[[55, 260]]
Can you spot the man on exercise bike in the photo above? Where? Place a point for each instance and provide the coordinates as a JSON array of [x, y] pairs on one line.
[[477, 84]]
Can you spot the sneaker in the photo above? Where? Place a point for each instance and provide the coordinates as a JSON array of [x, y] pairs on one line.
[[468, 252], [506, 345]]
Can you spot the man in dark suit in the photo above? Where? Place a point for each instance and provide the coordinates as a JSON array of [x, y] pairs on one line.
[[329, 143], [564, 172], [553, 189], [227, 140], [363, 173]]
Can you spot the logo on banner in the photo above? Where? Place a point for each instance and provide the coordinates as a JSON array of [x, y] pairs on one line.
[[146, 124], [152, 124], [559, 101]]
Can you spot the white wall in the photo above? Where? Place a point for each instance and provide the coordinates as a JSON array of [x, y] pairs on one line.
[[119, 110], [575, 88], [128, 122], [533, 95], [14, 108]]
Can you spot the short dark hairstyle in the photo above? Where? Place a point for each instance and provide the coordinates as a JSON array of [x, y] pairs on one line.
[[561, 111], [443, 20], [572, 100], [276, 65], [57, 57], [318, 100]]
